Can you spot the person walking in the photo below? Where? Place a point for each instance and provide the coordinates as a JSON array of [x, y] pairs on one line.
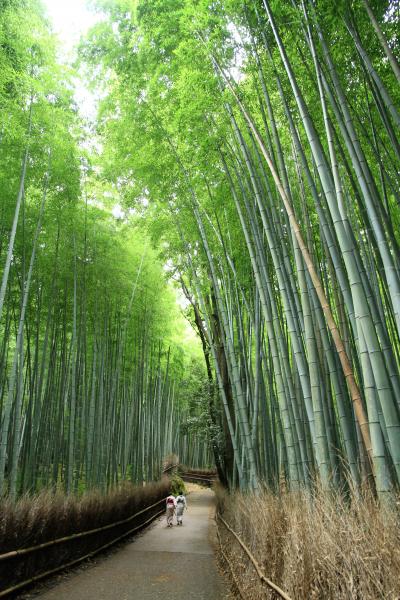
[[171, 505], [180, 507]]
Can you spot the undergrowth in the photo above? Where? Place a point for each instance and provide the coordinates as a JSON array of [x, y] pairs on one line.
[[321, 546], [177, 485]]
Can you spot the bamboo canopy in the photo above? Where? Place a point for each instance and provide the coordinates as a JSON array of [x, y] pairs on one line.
[[253, 151]]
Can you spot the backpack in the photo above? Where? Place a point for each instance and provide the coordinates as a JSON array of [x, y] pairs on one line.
[[170, 501], [180, 500]]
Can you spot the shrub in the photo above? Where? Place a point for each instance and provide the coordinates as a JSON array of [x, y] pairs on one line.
[[177, 485]]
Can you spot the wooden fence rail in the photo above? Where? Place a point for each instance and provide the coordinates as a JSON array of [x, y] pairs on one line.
[[23, 552], [193, 477], [18, 556]]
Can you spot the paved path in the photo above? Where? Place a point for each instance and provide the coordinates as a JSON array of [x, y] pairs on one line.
[[162, 563]]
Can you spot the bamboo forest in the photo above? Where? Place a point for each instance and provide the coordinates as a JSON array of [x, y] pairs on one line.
[[201, 272]]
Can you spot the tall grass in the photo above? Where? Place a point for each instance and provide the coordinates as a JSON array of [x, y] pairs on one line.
[[315, 546]]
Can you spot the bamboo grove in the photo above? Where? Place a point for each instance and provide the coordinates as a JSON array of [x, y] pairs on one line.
[[264, 137], [92, 368]]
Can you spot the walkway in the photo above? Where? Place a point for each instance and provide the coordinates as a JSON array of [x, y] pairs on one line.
[[162, 563]]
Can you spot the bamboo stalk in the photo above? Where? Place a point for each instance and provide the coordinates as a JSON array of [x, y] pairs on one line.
[[344, 360]]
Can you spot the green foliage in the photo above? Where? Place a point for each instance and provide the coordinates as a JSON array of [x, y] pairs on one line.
[[205, 107], [104, 344], [203, 94], [177, 485]]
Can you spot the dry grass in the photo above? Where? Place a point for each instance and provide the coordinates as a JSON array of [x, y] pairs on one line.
[[34, 520], [317, 546]]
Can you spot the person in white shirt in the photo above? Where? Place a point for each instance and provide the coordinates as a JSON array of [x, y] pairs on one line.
[[171, 505], [180, 507]]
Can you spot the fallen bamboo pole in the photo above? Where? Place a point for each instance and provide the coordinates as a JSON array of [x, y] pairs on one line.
[[257, 567], [228, 562]]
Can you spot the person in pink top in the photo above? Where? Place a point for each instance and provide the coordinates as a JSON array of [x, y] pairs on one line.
[[171, 505]]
